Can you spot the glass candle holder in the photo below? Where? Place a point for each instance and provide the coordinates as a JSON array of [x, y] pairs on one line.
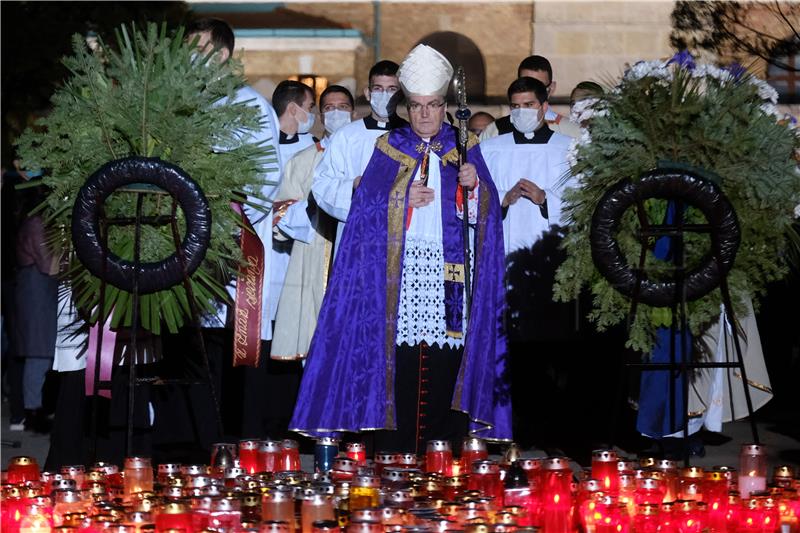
[[485, 478], [344, 469], [325, 451], [37, 518], [167, 471], [269, 454], [356, 451], [752, 469], [364, 492], [314, 509], [605, 470], [278, 505], [289, 459], [22, 469], [473, 449], [407, 460], [67, 501], [438, 457], [248, 455], [556, 495], [669, 472], [76, 472], [385, 460], [138, 476], [251, 507], [690, 483], [225, 515], [174, 516], [646, 519], [690, 516]]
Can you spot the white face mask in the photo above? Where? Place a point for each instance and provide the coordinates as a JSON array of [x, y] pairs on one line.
[[335, 119], [307, 124], [379, 102], [525, 120]]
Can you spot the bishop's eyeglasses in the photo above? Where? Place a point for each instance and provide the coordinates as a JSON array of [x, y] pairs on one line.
[[416, 107]]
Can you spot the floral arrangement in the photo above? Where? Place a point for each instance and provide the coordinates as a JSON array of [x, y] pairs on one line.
[[151, 95], [723, 123]]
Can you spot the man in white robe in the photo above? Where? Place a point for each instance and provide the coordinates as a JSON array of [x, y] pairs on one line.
[[350, 149], [528, 165], [313, 232], [539, 68]]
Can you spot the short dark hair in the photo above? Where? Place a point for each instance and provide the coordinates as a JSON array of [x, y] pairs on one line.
[[289, 91], [221, 33], [536, 63], [482, 114], [383, 68], [337, 89], [526, 84]]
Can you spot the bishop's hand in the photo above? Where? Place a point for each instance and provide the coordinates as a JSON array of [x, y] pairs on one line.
[[419, 195], [468, 176]]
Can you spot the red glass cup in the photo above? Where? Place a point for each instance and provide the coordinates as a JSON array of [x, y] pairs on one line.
[[269, 453], [605, 469], [22, 469], [249, 458], [439, 457], [473, 449], [289, 459], [356, 451]]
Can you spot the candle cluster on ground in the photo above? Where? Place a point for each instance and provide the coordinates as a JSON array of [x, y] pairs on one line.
[[258, 486]]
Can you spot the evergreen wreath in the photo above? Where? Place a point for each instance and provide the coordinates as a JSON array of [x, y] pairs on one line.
[[720, 123], [152, 96]]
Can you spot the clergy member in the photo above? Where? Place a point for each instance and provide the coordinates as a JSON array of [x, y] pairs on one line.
[[313, 232], [528, 164], [351, 148], [395, 350], [539, 68]]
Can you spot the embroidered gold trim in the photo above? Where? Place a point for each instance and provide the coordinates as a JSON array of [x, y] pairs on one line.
[[452, 155], [454, 272], [759, 386], [395, 241], [383, 145]]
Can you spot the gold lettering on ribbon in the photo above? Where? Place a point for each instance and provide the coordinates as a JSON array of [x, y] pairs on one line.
[[247, 315]]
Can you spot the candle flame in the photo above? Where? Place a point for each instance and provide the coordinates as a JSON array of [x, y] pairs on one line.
[[689, 522], [749, 521], [766, 520], [607, 482], [715, 506], [752, 473], [556, 498], [607, 520], [17, 516], [619, 527]]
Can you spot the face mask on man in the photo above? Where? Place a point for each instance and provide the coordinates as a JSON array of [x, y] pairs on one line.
[[335, 119], [380, 103], [307, 124], [525, 120]]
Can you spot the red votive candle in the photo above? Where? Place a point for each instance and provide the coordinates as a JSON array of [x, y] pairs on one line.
[[174, 515], [473, 449], [668, 522], [485, 478], [556, 495], [646, 519], [22, 469], [384, 460], [269, 453], [289, 457], [605, 470], [438, 457], [689, 516], [407, 460], [249, 458], [344, 469], [690, 483], [357, 451]]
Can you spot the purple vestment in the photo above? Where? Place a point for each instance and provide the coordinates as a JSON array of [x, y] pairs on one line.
[[348, 381]]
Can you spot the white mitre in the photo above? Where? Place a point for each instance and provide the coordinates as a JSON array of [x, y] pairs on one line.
[[425, 72]]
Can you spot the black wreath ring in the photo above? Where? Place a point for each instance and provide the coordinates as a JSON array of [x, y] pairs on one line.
[[669, 184], [152, 277]]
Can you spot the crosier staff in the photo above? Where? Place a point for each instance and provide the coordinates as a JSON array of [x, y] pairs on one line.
[[462, 114]]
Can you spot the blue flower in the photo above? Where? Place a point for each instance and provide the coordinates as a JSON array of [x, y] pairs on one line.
[[736, 70], [684, 59]]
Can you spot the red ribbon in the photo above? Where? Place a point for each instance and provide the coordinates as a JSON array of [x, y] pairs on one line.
[[249, 286]]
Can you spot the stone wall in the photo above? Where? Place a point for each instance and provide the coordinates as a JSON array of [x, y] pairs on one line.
[[595, 40]]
